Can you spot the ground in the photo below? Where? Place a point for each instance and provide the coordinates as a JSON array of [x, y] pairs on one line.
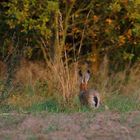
[[105, 125]]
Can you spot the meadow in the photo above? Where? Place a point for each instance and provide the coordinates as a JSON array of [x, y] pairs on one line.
[[55, 88], [43, 46]]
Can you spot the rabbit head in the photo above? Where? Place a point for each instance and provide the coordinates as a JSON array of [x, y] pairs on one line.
[[84, 78]]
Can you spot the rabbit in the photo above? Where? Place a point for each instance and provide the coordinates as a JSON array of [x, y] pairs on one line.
[[88, 97]]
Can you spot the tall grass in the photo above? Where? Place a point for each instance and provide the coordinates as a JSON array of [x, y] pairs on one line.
[[124, 83], [55, 87], [37, 82], [63, 80]]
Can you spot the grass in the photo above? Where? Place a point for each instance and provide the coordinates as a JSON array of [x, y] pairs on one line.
[[55, 107], [5, 108], [122, 103], [49, 106], [119, 103], [56, 90]]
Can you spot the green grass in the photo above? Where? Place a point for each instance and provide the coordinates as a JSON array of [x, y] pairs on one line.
[[50, 106], [6, 108], [57, 106], [122, 103], [117, 103]]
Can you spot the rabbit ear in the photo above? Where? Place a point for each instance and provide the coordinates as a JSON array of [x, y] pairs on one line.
[[80, 73], [81, 76], [87, 76], [88, 71]]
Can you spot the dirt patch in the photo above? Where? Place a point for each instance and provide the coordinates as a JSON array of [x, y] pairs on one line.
[[80, 126]]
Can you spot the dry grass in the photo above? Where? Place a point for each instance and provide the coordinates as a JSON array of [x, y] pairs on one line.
[[24, 100], [36, 82], [3, 75], [29, 84], [63, 79], [121, 83], [30, 72], [2, 70], [132, 85]]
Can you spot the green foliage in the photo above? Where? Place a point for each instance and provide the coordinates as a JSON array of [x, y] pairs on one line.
[[104, 26], [30, 15]]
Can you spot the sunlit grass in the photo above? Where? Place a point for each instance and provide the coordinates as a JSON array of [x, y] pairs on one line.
[[123, 103], [36, 89]]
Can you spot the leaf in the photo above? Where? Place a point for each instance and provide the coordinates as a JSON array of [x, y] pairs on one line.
[[53, 6], [128, 56], [122, 39], [115, 7], [96, 18], [109, 21], [129, 33]]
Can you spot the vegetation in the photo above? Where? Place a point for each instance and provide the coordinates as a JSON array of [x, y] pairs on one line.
[[45, 43]]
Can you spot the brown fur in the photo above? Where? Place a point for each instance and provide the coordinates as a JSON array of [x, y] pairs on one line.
[[87, 96]]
